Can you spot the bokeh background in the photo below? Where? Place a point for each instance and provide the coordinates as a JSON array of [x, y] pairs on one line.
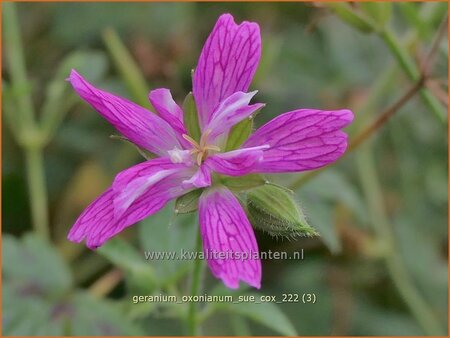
[[380, 265]]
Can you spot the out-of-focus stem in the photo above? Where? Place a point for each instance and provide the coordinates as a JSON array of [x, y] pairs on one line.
[[394, 263], [408, 66], [192, 319], [127, 67], [37, 190], [16, 65], [27, 131]]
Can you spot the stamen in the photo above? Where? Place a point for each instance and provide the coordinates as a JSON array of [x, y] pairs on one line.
[[199, 158], [204, 138], [212, 147], [191, 141]]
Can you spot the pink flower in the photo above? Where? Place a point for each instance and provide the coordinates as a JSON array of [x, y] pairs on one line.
[[298, 140]]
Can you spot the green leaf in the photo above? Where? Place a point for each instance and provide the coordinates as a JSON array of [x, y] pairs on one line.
[[140, 273], [239, 134], [167, 232], [191, 117], [32, 263], [188, 202], [100, 317], [242, 183], [273, 209], [24, 314], [127, 67]]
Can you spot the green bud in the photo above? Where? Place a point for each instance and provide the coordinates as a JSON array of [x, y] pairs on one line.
[[242, 183], [273, 209], [188, 202], [347, 14], [191, 117]]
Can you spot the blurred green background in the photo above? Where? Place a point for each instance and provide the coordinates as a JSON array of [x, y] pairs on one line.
[[380, 265]]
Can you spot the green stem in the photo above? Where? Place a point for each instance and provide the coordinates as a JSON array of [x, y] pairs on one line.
[[418, 306], [37, 190], [408, 66], [127, 67], [16, 65], [192, 315]]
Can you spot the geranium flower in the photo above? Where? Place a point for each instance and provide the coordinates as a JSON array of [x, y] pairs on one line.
[[295, 141]]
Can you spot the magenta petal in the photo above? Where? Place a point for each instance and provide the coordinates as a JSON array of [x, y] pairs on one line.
[[97, 223], [139, 125], [228, 239], [300, 140], [201, 179], [226, 65], [136, 193], [230, 111], [237, 162], [169, 110], [159, 175]]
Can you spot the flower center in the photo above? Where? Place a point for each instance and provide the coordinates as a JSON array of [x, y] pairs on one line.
[[201, 149]]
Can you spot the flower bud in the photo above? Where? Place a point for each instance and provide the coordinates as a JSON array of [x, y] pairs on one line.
[[272, 208]]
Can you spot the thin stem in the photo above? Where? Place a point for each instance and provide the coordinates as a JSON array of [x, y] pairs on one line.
[[394, 263], [408, 66], [37, 190], [192, 315], [16, 65]]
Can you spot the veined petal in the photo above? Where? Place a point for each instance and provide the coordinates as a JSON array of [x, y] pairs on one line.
[[136, 193], [97, 223], [226, 231], [169, 110], [226, 65], [230, 111], [138, 124], [237, 162], [135, 181], [201, 179], [301, 140]]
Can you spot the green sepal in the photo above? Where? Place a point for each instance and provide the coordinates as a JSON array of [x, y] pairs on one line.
[[240, 132], [191, 117], [272, 208], [242, 183], [188, 202], [144, 153]]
